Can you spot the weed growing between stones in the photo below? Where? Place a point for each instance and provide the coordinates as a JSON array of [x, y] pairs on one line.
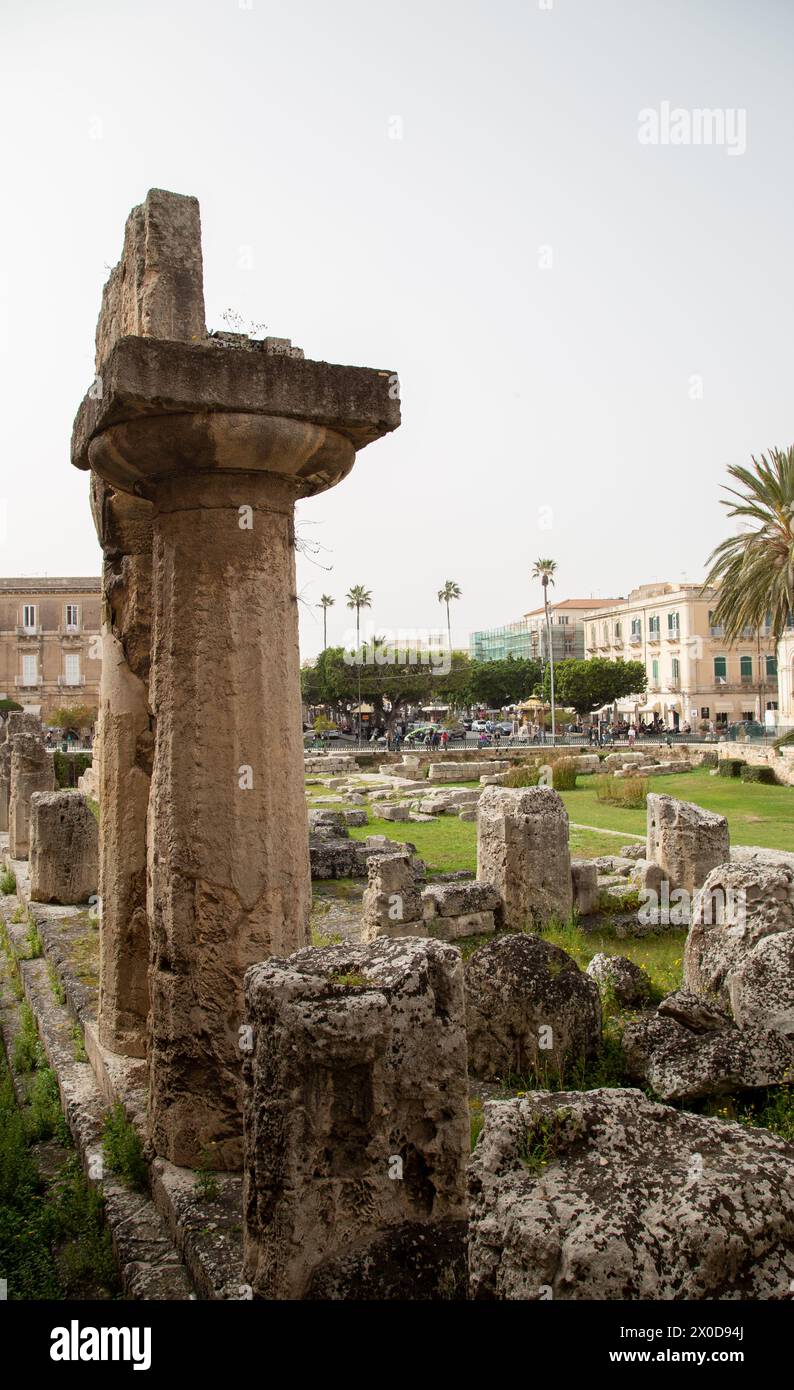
[[78, 1042], [34, 946], [206, 1181], [45, 1119], [8, 883], [542, 1141], [123, 1150], [55, 984], [28, 1053]]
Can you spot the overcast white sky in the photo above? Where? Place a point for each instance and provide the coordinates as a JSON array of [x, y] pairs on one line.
[[524, 388]]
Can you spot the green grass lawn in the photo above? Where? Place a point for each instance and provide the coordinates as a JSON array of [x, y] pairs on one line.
[[757, 815]]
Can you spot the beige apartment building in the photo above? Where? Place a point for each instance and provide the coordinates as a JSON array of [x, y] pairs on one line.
[[50, 649], [694, 676]]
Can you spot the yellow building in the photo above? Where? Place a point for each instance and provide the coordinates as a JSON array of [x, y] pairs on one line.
[[50, 648], [694, 676]]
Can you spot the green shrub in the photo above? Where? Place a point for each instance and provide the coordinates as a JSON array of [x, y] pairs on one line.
[[526, 776], [8, 883], [123, 1150], [629, 792], [763, 774], [564, 774], [69, 767], [731, 767]]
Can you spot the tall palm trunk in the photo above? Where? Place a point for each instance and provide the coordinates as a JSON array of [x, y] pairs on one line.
[[551, 657]]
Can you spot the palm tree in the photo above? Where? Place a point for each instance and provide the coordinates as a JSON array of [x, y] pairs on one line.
[[450, 591], [325, 603], [358, 597], [544, 571], [754, 570]]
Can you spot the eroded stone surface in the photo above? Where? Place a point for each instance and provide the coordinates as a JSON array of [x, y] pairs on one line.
[[685, 841], [683, 1065], [605, 1195], [740, 948], [522, 851], [358, 1074], [530, 1010], [64, 848]]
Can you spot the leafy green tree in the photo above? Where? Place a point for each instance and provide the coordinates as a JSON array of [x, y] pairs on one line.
[[497, 683], [754, 570], [587, 685]]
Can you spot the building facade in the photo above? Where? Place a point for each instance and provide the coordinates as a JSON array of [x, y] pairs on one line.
[[50, 647], [526, 638], [694, 676]]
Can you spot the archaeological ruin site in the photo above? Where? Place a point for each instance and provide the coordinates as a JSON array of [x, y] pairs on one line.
[[298, 1057]]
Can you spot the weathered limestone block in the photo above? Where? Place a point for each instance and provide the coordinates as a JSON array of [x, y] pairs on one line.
[[455, 910], [400, 811], [357, 1123], [522, 850], [681, 1064], [686, 841], [156, 290], [464, 772], [530, 1010], [739, 951], [605, 1195], [32, 770], [64, 848], [124, 528], [584, 885], [620, 977], [391, 904]]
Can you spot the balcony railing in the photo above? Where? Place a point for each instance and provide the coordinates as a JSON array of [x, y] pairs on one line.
[[23, 630], [22, 683]]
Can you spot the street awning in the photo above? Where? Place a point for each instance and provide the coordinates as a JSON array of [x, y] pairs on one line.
[[654, 708]]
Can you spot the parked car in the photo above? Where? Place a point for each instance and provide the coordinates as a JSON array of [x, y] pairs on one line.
[[479, 726], [505, 729], [419, 732], [456, 734]]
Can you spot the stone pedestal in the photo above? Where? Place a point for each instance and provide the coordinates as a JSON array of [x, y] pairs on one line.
[[522, 850], [31, 771], [357, 1123], [124, 528], [64, 848]]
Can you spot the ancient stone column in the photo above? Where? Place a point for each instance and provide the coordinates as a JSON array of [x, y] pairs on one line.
[[357, 1123], [124, 761], [5, 775], [17, 722], [221, 435], [31, 771], [522, 850], [64, 848]]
